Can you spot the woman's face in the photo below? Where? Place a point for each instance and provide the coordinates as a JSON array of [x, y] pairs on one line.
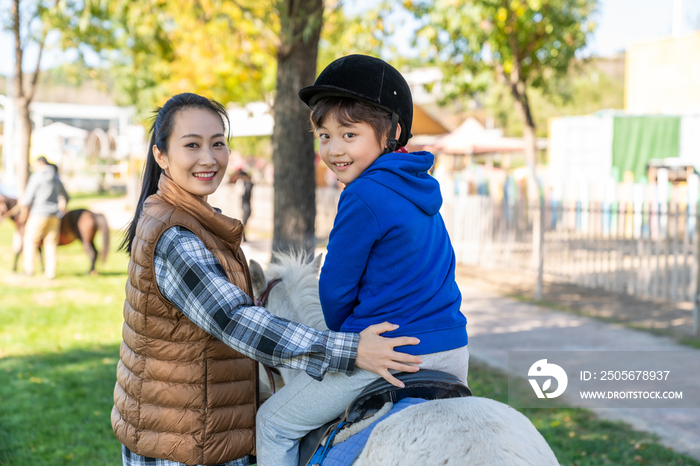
[[197, 152]]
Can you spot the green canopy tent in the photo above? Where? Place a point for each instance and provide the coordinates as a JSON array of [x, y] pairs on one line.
[[638, 139]]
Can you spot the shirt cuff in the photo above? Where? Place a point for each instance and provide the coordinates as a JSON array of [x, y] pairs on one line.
[[343, 351]]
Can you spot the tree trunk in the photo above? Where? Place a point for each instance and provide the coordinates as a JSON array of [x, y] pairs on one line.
[[23, 127], [522, 105], [292, 141], [23, 136], [22, 97]]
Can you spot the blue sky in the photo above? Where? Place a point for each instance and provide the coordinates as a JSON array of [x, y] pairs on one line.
[[620, 24]]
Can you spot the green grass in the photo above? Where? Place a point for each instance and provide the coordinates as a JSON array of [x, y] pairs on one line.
[[91, 196], [56, 408], [59, 346]]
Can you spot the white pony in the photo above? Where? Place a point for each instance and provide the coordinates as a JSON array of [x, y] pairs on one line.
[[470, 431]]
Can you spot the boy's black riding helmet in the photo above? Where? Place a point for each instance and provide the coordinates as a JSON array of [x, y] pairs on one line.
[[368, 79]]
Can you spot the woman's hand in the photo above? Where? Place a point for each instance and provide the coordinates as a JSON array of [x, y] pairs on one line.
[[376, 353]]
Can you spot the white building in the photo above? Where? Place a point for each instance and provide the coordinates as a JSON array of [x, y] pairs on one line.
[[70, 134]]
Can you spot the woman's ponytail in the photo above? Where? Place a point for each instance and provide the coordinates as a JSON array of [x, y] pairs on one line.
[[149, 186]]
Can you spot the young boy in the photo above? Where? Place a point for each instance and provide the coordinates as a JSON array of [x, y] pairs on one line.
[[389, 255]]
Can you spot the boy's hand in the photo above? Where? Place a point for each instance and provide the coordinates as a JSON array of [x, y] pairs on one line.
[[376, 353]]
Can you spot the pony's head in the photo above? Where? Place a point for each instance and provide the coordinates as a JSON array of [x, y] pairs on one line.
[[8, 208], [4, 208], [296, 297]]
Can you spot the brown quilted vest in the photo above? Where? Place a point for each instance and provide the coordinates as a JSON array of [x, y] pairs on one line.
[[181, 394]]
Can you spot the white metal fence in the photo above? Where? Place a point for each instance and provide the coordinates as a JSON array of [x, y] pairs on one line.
[[647, 250]]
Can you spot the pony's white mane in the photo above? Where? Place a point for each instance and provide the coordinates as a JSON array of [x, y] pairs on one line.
[[300, 279]]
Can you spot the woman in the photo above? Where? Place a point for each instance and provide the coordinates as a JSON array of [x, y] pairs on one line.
[[186, 386]]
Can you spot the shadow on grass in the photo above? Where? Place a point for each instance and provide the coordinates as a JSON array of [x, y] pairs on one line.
[[55, 408]]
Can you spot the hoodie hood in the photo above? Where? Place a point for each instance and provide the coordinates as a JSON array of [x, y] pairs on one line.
[[407, 175]]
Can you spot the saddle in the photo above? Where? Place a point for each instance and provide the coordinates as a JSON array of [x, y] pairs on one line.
[[425, 384]]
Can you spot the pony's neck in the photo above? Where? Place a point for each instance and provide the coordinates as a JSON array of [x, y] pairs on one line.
[[11, 203]]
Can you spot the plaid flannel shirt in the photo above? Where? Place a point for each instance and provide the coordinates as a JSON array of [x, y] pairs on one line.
[[132, 459], [190, 277]]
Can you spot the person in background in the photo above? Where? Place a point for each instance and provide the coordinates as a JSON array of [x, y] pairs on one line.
[[45, 200], [247, 195]]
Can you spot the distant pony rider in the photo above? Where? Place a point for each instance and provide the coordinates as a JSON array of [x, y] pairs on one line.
[[46, 196]]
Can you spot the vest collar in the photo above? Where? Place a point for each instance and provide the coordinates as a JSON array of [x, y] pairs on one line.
[[227, 229]]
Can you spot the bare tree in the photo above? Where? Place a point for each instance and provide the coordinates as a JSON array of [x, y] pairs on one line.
[[23, 93]]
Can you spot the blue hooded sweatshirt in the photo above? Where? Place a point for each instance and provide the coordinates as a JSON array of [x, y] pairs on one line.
[[390, 257]]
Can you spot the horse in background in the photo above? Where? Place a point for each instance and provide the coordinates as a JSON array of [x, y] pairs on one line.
[[471, 430], [79, 224]]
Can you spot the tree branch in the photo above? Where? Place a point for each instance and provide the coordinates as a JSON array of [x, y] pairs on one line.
[[35, 78], [294, 24], [19, 78], [517, 82], [264, 29]]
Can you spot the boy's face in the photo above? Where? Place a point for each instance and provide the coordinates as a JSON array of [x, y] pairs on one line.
[[347, 150]]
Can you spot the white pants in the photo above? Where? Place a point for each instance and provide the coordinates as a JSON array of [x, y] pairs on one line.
[[306, 404]]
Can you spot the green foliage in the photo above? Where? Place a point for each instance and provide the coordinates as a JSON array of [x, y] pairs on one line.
[[526, 41], [342, 35], [587, 89], [152, 49], [77, 25], [77, 73], [83, 24], [521, 44], [252, 146], [224, 50]]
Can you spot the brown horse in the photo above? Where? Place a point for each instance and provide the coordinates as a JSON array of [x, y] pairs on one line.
[[79, 224]]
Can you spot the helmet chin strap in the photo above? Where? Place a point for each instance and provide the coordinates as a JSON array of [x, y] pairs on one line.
[[392, 144]]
